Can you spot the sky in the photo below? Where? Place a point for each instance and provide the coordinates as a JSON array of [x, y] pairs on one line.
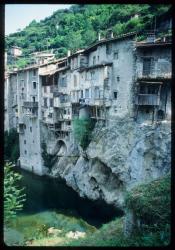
[[18, 16]]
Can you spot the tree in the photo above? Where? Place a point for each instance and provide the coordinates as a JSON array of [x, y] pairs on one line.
[[14, 196], [11, 145]]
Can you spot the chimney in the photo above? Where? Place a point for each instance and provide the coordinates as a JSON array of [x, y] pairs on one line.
[[99, 36], [150, 38], [68, 53], [110, 34]]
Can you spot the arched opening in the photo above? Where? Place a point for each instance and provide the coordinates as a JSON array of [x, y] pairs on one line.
[[61, 148], [160, 115]]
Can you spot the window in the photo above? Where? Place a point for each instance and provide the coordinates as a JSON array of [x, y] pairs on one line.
[[147, 65], [25, 152], [50, 115], [51, 89], [86, 93], [75, 80], [118, 78], [97, 92], [24, 126], [34, 72], [34, 85], [115, 56], [68, 123], [108, 48], [115, 95], [92, 75], [65, 112], [94, 60], [45, 89], [30, 129], [51, 102], [63, 81], [33, 98], [45, 102], [24, 141], [81, 93], [160, 114]]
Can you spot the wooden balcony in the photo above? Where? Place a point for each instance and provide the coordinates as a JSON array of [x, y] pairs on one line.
[[30, 104], [147, 99]]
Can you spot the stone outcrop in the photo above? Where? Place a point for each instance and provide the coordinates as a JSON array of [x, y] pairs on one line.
[[119, 157]]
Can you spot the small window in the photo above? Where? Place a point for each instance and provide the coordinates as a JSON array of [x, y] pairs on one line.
[[33, 98], [68, 123], [25, 152], [50, 115], [45, 89], [94, 60], [108, 48], [65, 112], [86, 93], [160, 115], [115, 95], [51, 102], [81, 93], [24, 126], [24, 141], [118, 78], [34, 72], [115, 55], [45, 102], [75, 80], [34, 85], [51, 89], [30, 129]]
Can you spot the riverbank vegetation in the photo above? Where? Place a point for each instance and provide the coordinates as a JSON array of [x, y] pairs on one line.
[[149, 202], [151, 205], [11, 145]]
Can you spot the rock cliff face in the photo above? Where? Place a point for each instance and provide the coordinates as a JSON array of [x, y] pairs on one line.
[[119, 157]]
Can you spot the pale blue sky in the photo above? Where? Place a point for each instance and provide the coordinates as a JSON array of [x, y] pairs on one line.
[[18, 16]]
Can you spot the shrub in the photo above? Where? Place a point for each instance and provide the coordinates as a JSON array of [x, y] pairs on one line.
[[82, 129], [14, 196]]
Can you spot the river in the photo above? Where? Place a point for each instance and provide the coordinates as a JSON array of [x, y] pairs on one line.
[[51, 202]]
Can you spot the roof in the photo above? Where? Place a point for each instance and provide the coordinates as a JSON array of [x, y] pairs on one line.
[[123, 36], [52, 72], [155, 44], [36, 66]]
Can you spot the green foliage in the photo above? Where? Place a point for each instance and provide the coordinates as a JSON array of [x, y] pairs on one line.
[[151, 203], [82, 129], [48, 159], [14, 196], [11, 145], [78, 26]]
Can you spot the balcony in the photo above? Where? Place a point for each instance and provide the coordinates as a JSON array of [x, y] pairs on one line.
[[30, 104], [147, 99]]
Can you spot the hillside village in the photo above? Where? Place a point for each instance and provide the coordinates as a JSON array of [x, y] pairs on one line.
[[98, 120], [115, 77]]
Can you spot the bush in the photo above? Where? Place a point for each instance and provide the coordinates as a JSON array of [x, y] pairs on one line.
[[11, 146], [14, 196], [82, 129]]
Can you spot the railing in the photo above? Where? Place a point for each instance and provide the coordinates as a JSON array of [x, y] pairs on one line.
[[30, 104], [147, 99]]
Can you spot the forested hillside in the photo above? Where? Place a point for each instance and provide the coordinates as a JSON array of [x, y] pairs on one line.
[[78, 26]]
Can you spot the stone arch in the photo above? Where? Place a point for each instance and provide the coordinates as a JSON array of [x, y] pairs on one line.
[[160, 114], [60, 148]]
